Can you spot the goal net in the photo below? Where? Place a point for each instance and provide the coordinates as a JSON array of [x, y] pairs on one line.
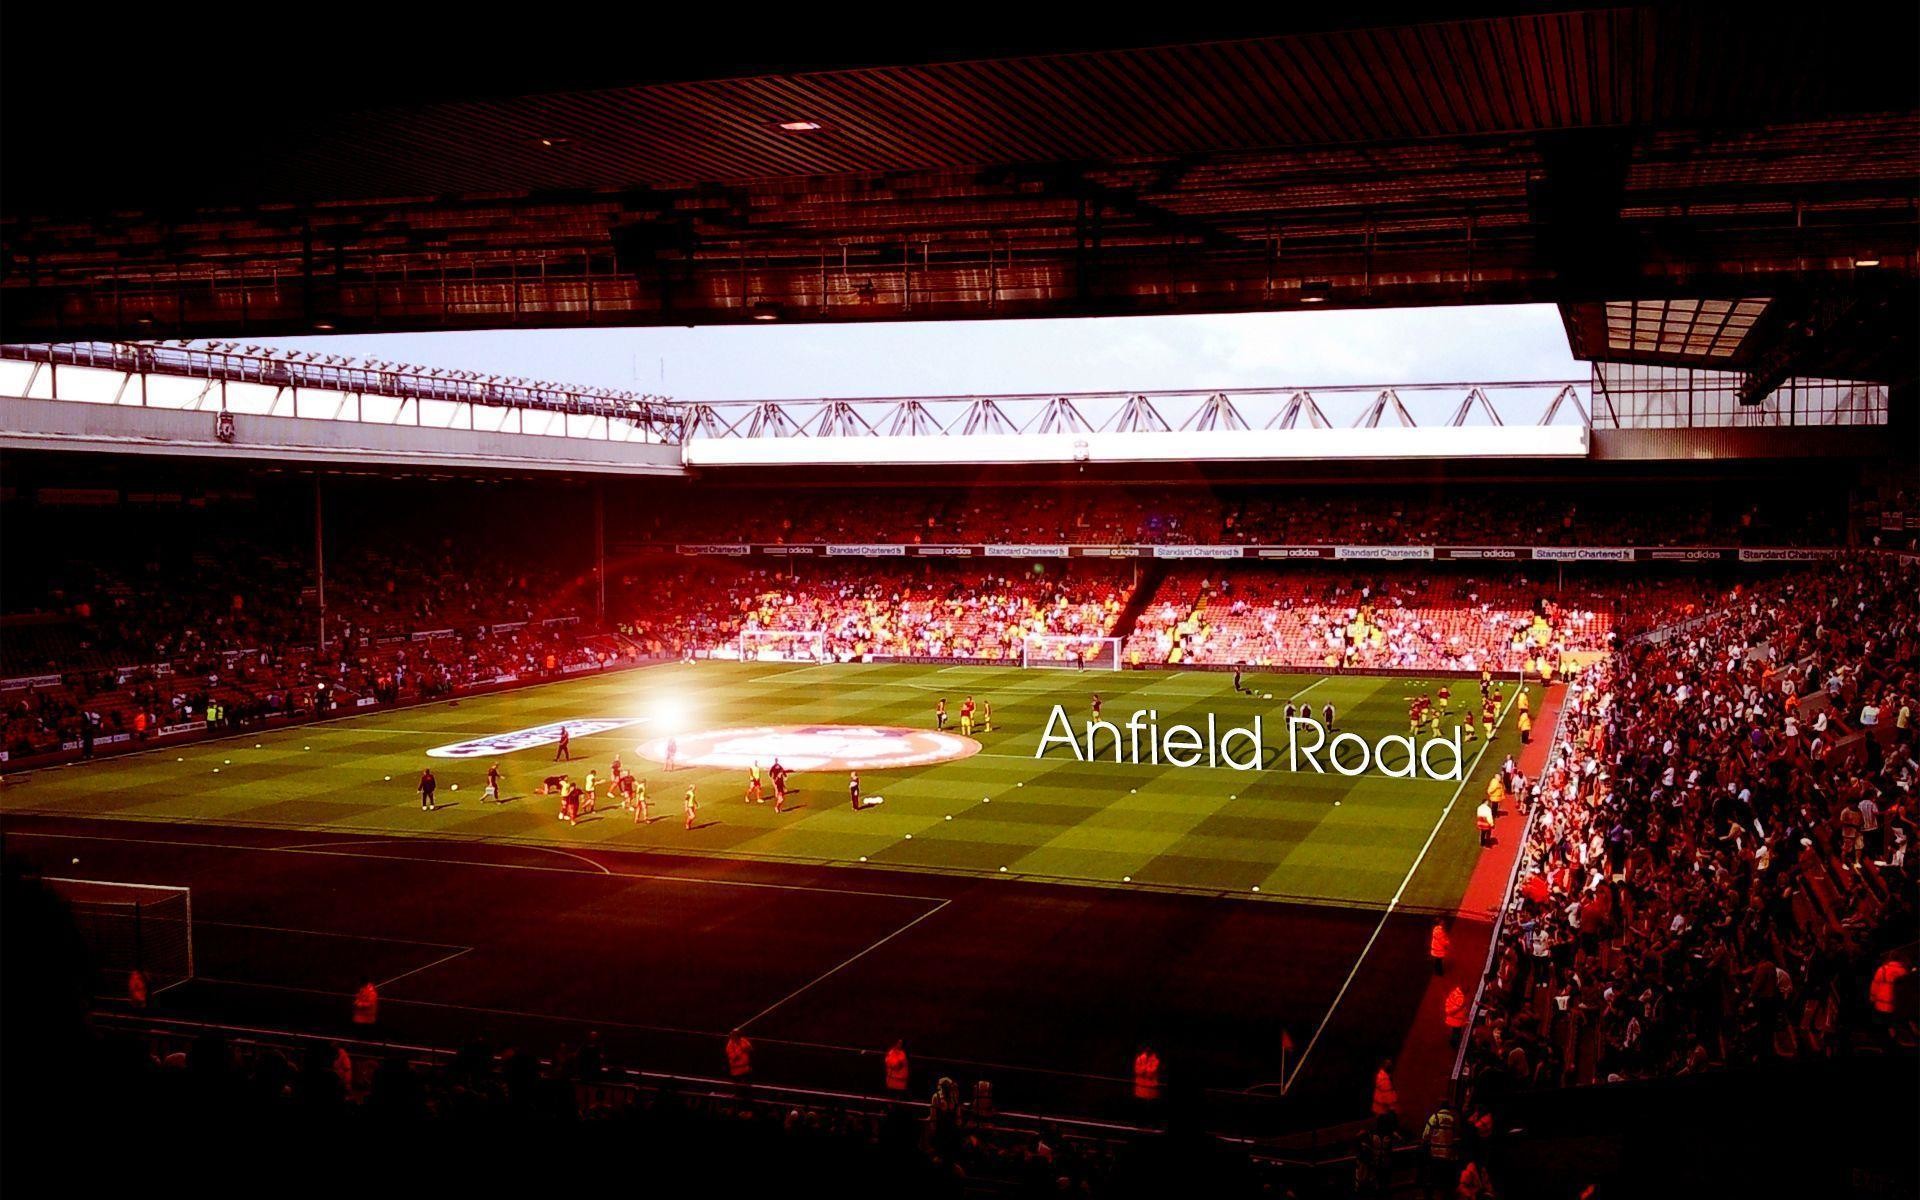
[[131, 925], [1064, 651], [783, 645]]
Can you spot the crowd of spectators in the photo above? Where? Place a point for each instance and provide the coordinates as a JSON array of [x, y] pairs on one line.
[[1401, 619], [1717, 867], [1454, 513], [907, 610], [943, 1140], [118, 644]]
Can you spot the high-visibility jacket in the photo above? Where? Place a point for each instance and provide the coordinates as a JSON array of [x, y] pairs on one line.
[[137, 988], [1885, 981], [1483, 816], [1146, 1076], [1456, 1009], [896, 1070], [366, 1005], [739, 1057], [1385, 1099], [1438, 944]]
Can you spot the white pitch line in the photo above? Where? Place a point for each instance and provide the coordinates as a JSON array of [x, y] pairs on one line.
[[1303, 691], [385, 983], [461, 862], [357, 937], [836, 969], [790, 671], [1465, 778]]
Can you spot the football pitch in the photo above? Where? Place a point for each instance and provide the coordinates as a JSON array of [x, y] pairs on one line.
[[1282, 832]]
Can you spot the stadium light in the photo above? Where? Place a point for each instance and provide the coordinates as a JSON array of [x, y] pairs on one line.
[[1866, 262], [799, 126]]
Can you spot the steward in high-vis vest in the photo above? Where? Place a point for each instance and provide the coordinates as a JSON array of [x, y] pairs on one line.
[[366, 1004], [137, 988], [1437, 946], [897, 1070], [1883, 992], [739, 1057], [1456, 1016], [1146, 1075], [1385, 1099]]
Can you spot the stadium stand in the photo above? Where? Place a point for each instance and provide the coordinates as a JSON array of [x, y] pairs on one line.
[[1467, 513], [1716, 869], [167, 616]]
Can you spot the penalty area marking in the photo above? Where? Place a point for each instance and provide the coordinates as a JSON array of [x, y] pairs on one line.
[[314, 849], [842, 965], [1394, 903]]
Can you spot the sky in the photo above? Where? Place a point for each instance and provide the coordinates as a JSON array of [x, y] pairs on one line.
[[1246, 350]]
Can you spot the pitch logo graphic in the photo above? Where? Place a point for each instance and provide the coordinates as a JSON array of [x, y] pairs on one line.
[[528, 739], [813, 747]]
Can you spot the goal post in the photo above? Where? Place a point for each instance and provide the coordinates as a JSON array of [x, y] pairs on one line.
[[783, 645], [131, 926], [1070, 651]]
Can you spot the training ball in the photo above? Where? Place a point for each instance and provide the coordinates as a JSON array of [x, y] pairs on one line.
[[949, 816], [863, 858], [456, 787], [1019, 785], [1126, 879], [1133, 791], [216, 770], [1268, 696], [986, 799], [388, 778], [1003, 870], [1235, 796], [1256, 887], [1336, 804], [226, 762], [179, 760], [306, 747], [909, 837]]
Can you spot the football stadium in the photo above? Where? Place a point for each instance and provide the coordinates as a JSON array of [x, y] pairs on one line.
[[1313, 610]]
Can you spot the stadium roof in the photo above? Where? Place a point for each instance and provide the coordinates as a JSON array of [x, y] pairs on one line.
[[1419, 155]]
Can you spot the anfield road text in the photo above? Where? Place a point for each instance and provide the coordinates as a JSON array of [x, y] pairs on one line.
[[1243, 748]]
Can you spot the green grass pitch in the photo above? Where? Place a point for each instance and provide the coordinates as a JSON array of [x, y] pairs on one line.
[[1119, 825]]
